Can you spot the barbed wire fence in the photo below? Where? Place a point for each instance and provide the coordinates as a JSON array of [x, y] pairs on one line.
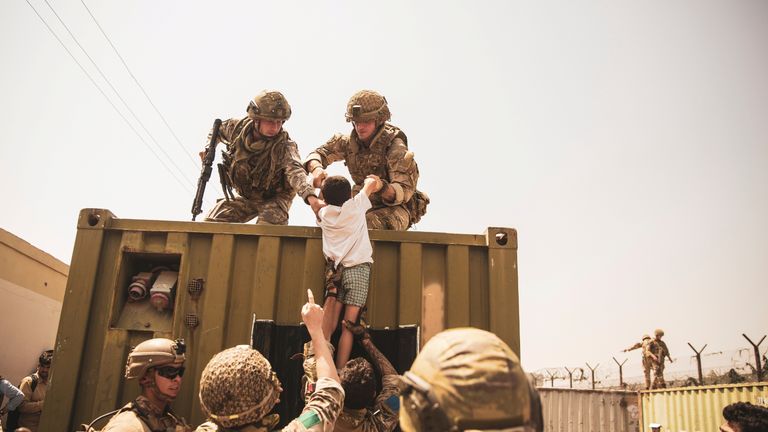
[[728, 366]]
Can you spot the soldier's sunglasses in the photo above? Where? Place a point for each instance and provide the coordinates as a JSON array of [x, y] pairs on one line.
[[170, 372]]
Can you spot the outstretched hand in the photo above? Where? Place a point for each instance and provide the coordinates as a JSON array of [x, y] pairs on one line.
[[312, 314], [358, 330]]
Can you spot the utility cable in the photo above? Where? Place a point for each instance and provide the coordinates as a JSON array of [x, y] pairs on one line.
[[196, 163], [114, 89], [183, 184]]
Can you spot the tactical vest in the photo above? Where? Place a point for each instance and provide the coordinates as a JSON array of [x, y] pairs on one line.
[[254, 165], [363, 160]]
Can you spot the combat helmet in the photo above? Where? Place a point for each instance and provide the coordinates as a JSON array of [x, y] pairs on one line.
[[154, 353], [367, 105], [466, 378], [645, 336], [658, 332], [238, 387], [269, 105]]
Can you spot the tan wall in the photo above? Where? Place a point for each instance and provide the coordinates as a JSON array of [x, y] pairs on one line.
[[576, 410], [32, 287]]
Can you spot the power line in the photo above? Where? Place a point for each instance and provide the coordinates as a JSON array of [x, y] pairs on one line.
[[185, 186], [114, 89], [114, 48]]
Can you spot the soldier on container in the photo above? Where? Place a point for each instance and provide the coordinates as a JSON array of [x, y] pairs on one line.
[[364, 409], [468, 379], [661, 351], [262, 165], [375, 147], [158, 365], [238, 387], [649, 358]]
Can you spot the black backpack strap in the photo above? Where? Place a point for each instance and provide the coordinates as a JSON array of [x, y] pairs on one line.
[[35, 380]]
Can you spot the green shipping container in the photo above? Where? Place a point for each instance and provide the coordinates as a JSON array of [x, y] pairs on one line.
[[229, 274]]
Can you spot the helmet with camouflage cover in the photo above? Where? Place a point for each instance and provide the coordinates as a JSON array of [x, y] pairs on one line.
[[463, 379], [658, 332], [238, 387], [154, 353], [645, 336], [367, 105], [269, 105]]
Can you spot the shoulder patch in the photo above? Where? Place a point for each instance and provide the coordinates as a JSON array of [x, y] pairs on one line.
[[309, 419], [393, 402]]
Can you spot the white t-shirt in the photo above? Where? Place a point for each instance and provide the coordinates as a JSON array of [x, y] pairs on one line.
[[345, 232]]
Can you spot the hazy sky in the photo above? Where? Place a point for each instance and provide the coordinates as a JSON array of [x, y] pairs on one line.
[[627, 142]]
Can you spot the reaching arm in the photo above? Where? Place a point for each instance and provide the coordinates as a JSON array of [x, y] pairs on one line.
[[312, 315], [634, 347], [379, 359]]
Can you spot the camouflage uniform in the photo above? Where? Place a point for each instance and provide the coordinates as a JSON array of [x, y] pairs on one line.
[[648, 345], [140, 416], [662, 352], [266, 172], [238, 388], [382, 417], [385, 155]]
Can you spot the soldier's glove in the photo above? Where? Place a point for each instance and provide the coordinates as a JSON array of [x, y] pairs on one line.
[[358, 330]]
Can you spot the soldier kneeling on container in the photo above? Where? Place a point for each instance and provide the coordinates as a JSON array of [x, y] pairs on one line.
[[158, 364], [468, 379]]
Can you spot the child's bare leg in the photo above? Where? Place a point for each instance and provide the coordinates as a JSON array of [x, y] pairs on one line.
[[345, 342], [332, 309]]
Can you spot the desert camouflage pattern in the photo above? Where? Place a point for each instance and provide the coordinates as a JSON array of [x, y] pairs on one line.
[[140, 416], [238, 387], [382, 417], [474, 376], [388, 157], [266, 173], [647, 345], [269, 105], [367, 105], [662, 352]]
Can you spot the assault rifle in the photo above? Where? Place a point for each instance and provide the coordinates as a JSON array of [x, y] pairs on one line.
[[205, 173]]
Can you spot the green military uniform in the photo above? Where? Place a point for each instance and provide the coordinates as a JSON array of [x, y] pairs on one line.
[[386, 155], [266, 172], [140, 416]]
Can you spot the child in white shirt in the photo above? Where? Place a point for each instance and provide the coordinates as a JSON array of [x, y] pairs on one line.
[[346, 244]]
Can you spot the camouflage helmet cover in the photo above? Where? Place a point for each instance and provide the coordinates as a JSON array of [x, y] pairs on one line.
[[269, 105], [238, 387], [658, 332], [645, 336], [475, 377], [367, 105], [154, 353]]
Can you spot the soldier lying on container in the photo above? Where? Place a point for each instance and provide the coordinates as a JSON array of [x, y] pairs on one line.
[[348, 253], [158, 365], [262, 164], [744, 417], [364, 410], [238, 387], [375, 147], [468, 379]]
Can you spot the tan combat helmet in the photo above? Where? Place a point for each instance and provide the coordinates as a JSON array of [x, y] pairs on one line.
[[238, 387], [467, 379], [645, 336], [367, 105], [658, 332], [154, 353], [269, 105]]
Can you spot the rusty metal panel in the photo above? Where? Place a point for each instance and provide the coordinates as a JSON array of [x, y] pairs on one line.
[[431, 280], [697, 409], [572, 410]]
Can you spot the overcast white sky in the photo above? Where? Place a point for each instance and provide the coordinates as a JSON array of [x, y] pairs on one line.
[[627, 142]]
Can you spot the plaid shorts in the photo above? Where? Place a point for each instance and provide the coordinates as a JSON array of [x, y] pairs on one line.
[[354, 284]]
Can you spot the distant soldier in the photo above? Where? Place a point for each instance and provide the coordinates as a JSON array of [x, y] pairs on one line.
[[262, 164], [158, 365], [649, 357], [238, 387], [375, 147], [661, 351], [468, 379]]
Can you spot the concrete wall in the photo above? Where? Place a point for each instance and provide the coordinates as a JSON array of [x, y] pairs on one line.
[[32, 287]]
